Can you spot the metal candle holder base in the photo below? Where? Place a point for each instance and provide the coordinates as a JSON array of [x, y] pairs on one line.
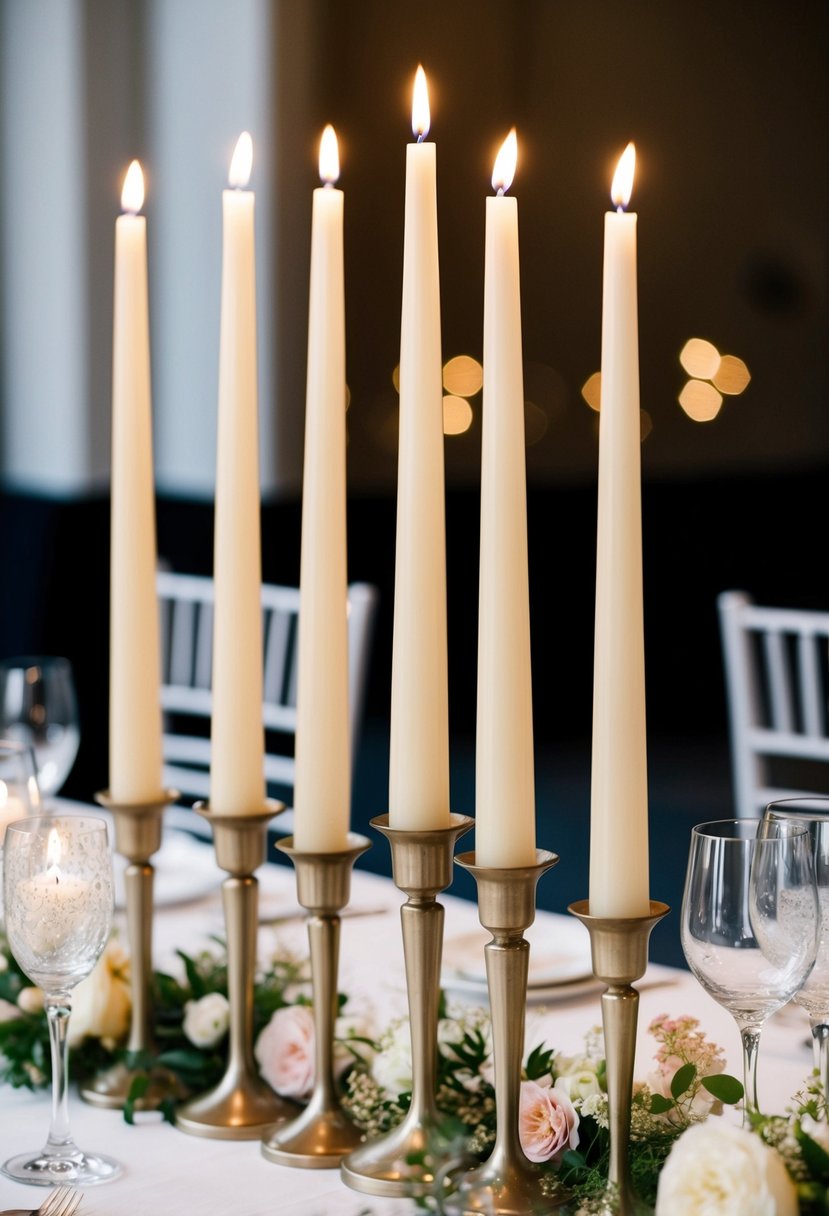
[[421, 867], [323, 1134], [137, 838], [619, 948], [242, 1104], [507, 1184]]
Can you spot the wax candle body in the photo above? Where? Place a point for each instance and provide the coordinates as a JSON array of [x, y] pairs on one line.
[[419, 746], [619, 796], [11, 808], [323, 763], [54, 904], [504, 781], [134, 696], [237, 783]]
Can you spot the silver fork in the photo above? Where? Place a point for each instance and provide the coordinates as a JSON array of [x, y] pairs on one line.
[[63, 1201]]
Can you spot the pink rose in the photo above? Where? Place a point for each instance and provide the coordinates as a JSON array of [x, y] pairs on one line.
[[547, 1122], [285, 1051]]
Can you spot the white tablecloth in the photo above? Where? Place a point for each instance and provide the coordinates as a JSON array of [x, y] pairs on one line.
[[170, 1173]]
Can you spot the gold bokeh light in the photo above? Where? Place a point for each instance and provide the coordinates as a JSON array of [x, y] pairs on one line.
[[591, 390], [732, 376], [700, 400], [700, 358], [463, 376], [457, 415]]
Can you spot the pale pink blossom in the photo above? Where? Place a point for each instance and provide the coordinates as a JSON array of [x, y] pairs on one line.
[[285, 1051], [547, 1122]]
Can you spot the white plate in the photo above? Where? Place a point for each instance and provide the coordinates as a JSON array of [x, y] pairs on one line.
[[559, 954], [474, 992], [184, 868]]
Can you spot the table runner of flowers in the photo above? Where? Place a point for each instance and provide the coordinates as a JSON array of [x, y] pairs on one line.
[[684, 1157]]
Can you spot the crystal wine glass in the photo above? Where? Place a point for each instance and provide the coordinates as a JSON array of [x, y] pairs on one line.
[[19, 791], [59, 902], [813, 997], [39, 706], [749, 922]]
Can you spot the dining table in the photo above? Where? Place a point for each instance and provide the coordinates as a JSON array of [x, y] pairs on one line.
[[170, 1172]]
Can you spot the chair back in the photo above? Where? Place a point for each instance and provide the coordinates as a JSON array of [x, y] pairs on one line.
[[777, 688], [186, 608]]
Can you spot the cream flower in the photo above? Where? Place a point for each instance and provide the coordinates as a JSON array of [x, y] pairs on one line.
[[206, 1020], [547, 1122], [101, 1004], [392, 1065], [285, 1051], [724, 1170], [8, 1011], [30, 1000], [579, 1085]]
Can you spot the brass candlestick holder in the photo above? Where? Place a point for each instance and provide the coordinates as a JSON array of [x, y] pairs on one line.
[[619, 948], [242, 1104], [323, 1134], [507, 1184], [137, 838], [421, 867]]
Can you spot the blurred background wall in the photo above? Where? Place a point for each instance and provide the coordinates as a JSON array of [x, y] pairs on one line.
[[728, 105]]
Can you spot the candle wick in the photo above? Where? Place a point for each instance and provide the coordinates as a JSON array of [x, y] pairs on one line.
[[329, 185], [420, 138], [619, 209], [500, 193]]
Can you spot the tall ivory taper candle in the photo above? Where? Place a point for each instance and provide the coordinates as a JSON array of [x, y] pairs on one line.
[[237, 747], [323, 763], [619, 883], [504, 765], [134, 679], [419, 748]]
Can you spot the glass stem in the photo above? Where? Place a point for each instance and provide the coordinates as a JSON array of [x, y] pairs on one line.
[[750, 1036], [58, 1008], [820, 1048]]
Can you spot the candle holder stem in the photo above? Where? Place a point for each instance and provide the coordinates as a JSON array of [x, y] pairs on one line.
[[619, 948], [507, 1183], [323, 1134], [242, 1104], [422, 866], [137, 838]]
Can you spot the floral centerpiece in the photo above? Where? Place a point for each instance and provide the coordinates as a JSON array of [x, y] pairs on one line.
[[685, 1157]]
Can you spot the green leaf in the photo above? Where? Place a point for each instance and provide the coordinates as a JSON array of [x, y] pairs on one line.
[[816, 1157], [727, 1089], [138, 1087], [683, 1079], [660, 1105]]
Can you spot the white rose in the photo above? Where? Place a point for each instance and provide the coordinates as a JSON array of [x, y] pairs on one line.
[[102, 1003], [348, 1030], [206, 1020], [724, 1170], [392, 1065], [8, 1011], [30, 1000], [579, 1085]]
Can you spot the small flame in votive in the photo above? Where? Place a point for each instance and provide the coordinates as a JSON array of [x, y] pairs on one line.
[[132, 195], [242, 162], [421, 118], [329, 156], [53, 849], [622, 187], [505, 163]]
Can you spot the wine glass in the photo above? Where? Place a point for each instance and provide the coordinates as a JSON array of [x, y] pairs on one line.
[[813, 812], [749, 922], [59, 902], [19, 791], [39, 706]]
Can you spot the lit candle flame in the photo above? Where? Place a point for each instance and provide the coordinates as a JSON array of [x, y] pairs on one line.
[[132, 195], [622, 186], [242, 162], [421, 117], [53, 850], [329, 156], [505, 163]]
